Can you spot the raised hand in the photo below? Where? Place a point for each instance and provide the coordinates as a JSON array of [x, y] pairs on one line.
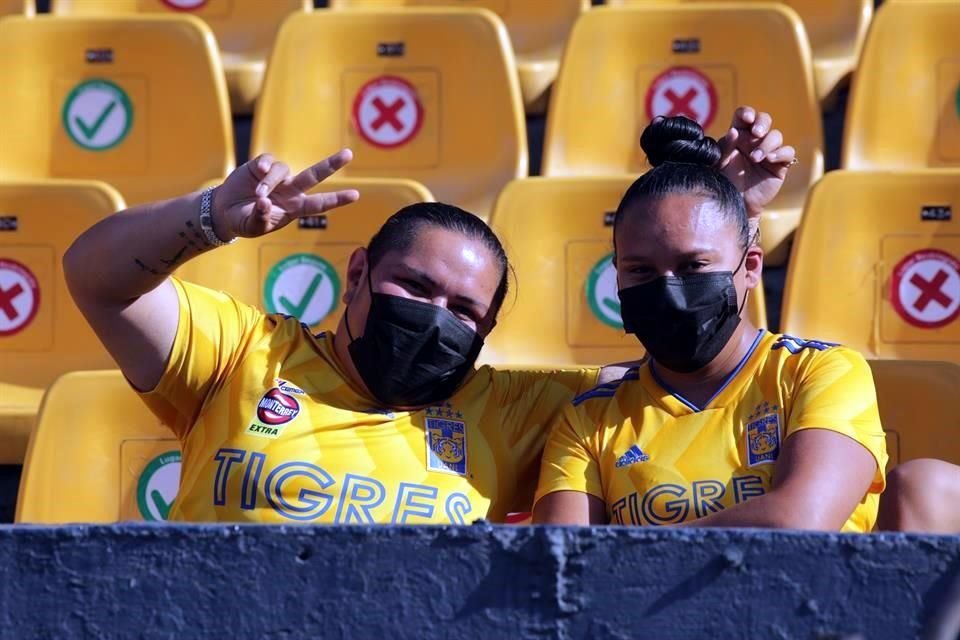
[[262, 196], [755, 158]]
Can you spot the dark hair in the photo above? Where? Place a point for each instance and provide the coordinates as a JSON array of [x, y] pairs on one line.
[[684, 160], [400, 230]]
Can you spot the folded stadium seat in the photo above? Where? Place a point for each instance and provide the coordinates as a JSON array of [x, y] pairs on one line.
[[624, 66], [245, 30], [876, 264], [406, 90], [137, 101], [918, 409], [122, 464], [558, 234], [537, 31], [42, 334], [301, 269], [836, 28], [13, 7], [904, 112]]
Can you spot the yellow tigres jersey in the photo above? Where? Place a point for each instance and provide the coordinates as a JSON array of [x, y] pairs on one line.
[[273, 432], [655, 459]]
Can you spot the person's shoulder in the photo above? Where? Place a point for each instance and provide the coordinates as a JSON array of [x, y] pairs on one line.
[[807, 352], [604, 393]]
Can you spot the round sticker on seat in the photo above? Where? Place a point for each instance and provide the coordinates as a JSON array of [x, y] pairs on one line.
[[158, 486], [97, 115], [184, 5], [387, 112], [925, 288], [304, 286], [19, 297], [602, 294], [682, 91]]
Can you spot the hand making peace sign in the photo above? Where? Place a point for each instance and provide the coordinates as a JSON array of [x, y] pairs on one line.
[[262, 196]]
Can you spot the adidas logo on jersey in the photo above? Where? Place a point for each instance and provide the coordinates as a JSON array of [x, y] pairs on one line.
[[633, 455]]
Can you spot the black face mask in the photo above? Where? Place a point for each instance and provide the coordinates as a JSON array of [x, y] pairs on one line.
[[683, 322], [412, 353]]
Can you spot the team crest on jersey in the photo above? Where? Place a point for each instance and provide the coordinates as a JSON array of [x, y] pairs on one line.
[[446, 440], [763, 435], [275, 411]]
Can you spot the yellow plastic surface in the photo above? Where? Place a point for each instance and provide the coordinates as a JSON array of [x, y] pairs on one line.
[[538, 30], [875, 264], [620, 69], [564, 305], [18, 410], [245, 31], [137, 101], [904, 111], [94, 442], [244, 269], [49, 216], [836, 28], [468, 139], [918, 409]]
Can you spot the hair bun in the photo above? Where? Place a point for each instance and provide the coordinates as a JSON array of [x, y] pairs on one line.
[[678, 139]]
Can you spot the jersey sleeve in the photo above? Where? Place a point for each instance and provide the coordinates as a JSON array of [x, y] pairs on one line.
[[571, 459], [214, 333], [836, 392], [531, 402]]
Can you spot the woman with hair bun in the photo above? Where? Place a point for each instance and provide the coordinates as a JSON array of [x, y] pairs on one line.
[[726, 424]]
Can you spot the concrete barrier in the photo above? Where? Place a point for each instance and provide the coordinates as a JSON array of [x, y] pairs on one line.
[[157, 581]]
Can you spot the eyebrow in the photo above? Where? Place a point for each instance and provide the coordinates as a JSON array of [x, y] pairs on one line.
[[687, 255], [433, 284]]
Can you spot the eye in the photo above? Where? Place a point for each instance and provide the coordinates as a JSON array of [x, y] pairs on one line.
[[466, 314], [413, 286], [694, 265]]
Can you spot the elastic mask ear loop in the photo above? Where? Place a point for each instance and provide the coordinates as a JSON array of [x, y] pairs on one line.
[[743, 261], [346, 312]]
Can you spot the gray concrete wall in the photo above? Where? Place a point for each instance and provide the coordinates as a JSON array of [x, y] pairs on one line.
[[475, 582]]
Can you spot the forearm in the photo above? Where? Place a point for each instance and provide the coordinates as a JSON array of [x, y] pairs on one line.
[[770, 511], [131, 253]]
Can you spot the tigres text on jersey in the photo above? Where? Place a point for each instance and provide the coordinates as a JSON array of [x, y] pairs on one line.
[[273, 431], [655, 459]]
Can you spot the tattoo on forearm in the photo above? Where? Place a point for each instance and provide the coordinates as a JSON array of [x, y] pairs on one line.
[[196, 244]]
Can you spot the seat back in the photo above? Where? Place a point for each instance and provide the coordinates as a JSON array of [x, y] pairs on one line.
[[301, 269], [96, 100], [699, 60], [558, 234], [918, 409], [876, 264], [836, 28], [403, 88], [42, 333], [903, 111], [121, 463]]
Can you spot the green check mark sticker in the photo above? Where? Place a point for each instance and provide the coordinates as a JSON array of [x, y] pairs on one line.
[[158, 485], [302, 285], [601, 292], [97, 115]]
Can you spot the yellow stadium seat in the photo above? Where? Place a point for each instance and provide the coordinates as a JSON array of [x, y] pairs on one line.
[[137, 101], [904, 111], [558, 234], [538, 30], [404, 89], [876, 264], [14, 7], [836, 28], [918, 409], [698, 60], [284, 266], [42, 334], [97, 455], [245, 30]]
